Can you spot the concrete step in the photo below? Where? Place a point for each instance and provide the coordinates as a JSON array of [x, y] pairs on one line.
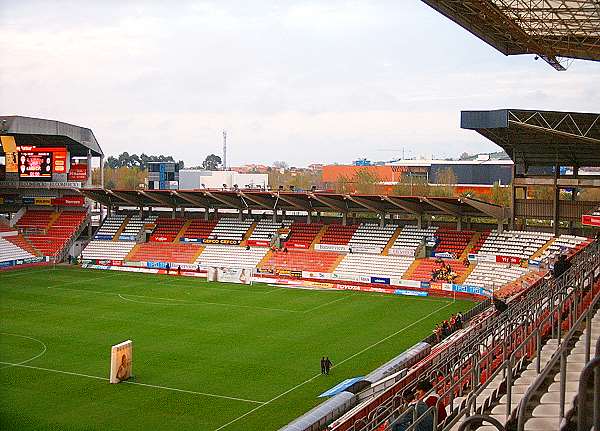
[[576, 357], [525, 380], [542, 424], [570, 386], [554, 397], [572, 376], [546, 411]]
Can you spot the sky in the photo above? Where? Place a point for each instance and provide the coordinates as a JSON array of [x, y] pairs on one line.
[[299, 81]]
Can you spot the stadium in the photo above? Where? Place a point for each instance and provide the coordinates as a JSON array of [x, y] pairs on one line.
[[211, 307]]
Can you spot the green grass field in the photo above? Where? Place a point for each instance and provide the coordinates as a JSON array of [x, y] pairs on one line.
[[207, 356]]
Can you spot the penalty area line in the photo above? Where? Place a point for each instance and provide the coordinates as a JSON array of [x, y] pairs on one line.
[[147, 385]]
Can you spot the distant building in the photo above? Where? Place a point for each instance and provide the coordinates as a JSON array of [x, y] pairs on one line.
[[163, 176], [191, 179]]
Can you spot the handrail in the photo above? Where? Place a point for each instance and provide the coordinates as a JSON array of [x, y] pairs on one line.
[[586, 373], [560, 353], [481, 418]]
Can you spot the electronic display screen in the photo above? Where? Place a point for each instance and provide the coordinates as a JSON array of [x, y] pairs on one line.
[[35, 164]]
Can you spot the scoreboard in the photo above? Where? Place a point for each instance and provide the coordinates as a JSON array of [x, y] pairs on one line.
[[35, 164]]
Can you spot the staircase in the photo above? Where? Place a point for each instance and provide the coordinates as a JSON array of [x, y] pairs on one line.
[[132, 252], [318, 237], [470, 245], [182, 230], [265, 259], [391, 242], [462, 277], [542, 249], [55, 215], [121, 229], [335, 264], [248, 233], [411, 269], [197, 255]]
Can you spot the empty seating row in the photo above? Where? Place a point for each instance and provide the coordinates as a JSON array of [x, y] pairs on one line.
[[338, 234], [355, 264], [520, 244], [59, 233], [304, 233], [452, 241], [494, 275], [114, 250], [10, 251], [231, 256], [200, 229], [134, 227], [411, 237], [231, 228], [35, 219], [562, 244], [371, 237], [165, 252], [265, 229], [166, 229], [302, 260], [110, 226]]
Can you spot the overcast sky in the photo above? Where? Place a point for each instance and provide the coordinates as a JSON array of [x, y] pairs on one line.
[[300, 81]]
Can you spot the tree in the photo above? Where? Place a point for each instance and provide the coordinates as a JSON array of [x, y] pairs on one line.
[[464, 156], [212, 162], [280, 164]]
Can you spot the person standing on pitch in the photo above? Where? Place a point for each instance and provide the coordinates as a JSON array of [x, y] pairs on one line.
[[322, 364], [328, 365]]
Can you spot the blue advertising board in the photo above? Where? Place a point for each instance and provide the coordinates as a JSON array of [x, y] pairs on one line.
[[340, 387], [380, 280], [409, 292]]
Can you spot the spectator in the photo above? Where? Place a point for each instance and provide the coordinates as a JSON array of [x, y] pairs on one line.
[[561, 266], [424, 423], [430, 397]]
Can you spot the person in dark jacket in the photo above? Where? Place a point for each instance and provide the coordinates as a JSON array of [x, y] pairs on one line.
[[561, 266], [431, 399], [328, 365], [425, 423], [322, 364]]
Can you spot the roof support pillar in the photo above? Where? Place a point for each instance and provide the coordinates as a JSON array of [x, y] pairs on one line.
[[173, 213], [309, 217], [344, 219], [500, 226], [275, 215], [89, 168], [556, 201], [382, 218], [206, 213], [420, 221], [240, 214], [459, 223], [513, 195], [102, 171]]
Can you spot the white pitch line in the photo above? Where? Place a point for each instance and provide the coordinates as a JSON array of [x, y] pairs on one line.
[[30, 359], [167, 388], [181, 300], [154, 303], [327, 303], [337, 364]]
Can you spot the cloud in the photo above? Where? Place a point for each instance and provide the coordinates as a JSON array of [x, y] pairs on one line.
[[302, 81]]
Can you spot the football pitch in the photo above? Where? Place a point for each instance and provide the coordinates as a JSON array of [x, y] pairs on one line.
[[206, 356]]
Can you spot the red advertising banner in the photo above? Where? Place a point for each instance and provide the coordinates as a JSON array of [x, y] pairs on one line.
[[508, 259], [69, 201], [161, 238], [590, 220], [78, 172], [258, 243], [297, 244]]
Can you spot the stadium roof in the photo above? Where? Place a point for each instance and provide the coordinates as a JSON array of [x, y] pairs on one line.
[[541, 138], [549, 28], [50, 133], [296, 201]]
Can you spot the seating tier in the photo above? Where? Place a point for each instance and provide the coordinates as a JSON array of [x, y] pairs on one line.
[[200, 229], [372, 236], [494, 275], [302, 260], [411, 237], [165, 252], [114, 250], [338, 234], [354, 265], [453, 241], [231, 256], [231, 228], [10, 251]]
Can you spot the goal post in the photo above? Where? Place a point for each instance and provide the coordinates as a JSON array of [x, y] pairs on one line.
[[121, 356]]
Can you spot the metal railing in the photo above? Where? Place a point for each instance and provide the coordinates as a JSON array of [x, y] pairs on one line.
[[517, 333]]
